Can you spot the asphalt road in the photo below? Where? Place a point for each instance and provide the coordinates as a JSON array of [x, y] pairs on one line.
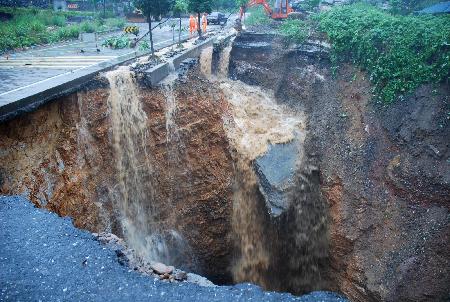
[[45, 258], [24, 68]]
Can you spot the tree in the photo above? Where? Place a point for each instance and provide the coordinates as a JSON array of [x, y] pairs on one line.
[[152, 9], [200, 6], [181, 6]]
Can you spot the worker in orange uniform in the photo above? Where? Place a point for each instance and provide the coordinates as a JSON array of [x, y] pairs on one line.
[[192, 25], [204, 23]]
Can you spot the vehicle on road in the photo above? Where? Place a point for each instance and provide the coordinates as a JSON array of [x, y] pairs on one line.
[[216, 18]]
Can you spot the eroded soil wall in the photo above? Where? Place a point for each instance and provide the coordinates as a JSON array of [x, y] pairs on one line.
[[383, 171], [61, 158]]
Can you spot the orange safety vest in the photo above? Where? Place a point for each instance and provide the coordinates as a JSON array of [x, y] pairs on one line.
[[192, 24]]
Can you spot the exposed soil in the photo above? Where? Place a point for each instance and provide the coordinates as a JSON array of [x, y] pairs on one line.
[[61, 158], [383, 170], [370, 213]]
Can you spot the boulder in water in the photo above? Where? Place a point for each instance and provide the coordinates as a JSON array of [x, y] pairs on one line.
[[275, 170]]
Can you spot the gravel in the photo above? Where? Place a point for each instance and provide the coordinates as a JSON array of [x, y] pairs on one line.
[[43, 257]]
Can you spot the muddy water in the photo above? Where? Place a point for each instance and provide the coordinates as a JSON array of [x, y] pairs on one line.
[[206, 61], [255, 120], [225, 61], [138, 214]]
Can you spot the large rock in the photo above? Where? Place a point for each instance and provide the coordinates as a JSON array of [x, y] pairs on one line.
[[276, 170]]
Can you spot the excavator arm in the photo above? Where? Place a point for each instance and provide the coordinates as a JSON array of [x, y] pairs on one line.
[[281, 12]]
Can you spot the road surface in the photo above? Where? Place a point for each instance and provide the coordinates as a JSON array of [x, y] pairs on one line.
[[22, 69]]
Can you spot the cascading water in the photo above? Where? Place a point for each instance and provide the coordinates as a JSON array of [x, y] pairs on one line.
[[257, 121], [206, 60], [225, 61], [138, 213], [254, 122]]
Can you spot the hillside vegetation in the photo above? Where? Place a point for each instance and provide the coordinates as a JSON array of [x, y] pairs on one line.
[[398, 52]]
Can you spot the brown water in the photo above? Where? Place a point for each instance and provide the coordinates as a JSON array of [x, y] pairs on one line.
[[138, 214], [254, 122], [225, 61]]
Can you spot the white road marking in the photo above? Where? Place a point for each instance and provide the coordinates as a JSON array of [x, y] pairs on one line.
[[69, 72]]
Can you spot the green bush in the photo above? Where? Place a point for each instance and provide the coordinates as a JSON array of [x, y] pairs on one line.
[[398, 52], [296, 31], [88, 27], [32, 26], [257, 16], [117, 42]]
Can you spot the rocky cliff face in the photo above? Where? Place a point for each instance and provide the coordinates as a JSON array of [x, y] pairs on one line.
[[61, 157], [383, 172]]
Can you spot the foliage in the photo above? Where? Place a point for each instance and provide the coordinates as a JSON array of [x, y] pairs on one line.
[[180, 6], [115, 23], [240, 3], [117, 42], [153, 8], [257, 16], [144, 46], [224, 5], [398, 52], [88, 27], [310, 4], [296, 31], [34, 26], [200, 6]]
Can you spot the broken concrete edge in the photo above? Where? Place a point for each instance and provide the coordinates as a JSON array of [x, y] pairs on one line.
[[28, 99], [157, 73]]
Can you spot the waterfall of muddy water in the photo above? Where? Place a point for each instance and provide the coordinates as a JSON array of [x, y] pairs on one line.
[[180, 253], [205, 61], [129, 136], [256, 121], [225, 61]]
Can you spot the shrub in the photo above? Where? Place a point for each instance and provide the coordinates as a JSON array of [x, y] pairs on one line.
[[117, 42], [31, 26], [257, 16], [295, 31], [88, 27], [115, 23], [398, 52]]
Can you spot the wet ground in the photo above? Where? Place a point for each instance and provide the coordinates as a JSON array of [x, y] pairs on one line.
[[45, 258], [22, 68]]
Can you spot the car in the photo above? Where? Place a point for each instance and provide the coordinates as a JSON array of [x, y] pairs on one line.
[[216, 18]]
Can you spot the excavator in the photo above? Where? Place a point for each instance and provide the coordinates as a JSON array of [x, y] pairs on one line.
[[281, 10]]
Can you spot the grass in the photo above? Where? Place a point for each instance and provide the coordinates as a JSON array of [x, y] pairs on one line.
[[296, 31], [257, 16], [35, 26]]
